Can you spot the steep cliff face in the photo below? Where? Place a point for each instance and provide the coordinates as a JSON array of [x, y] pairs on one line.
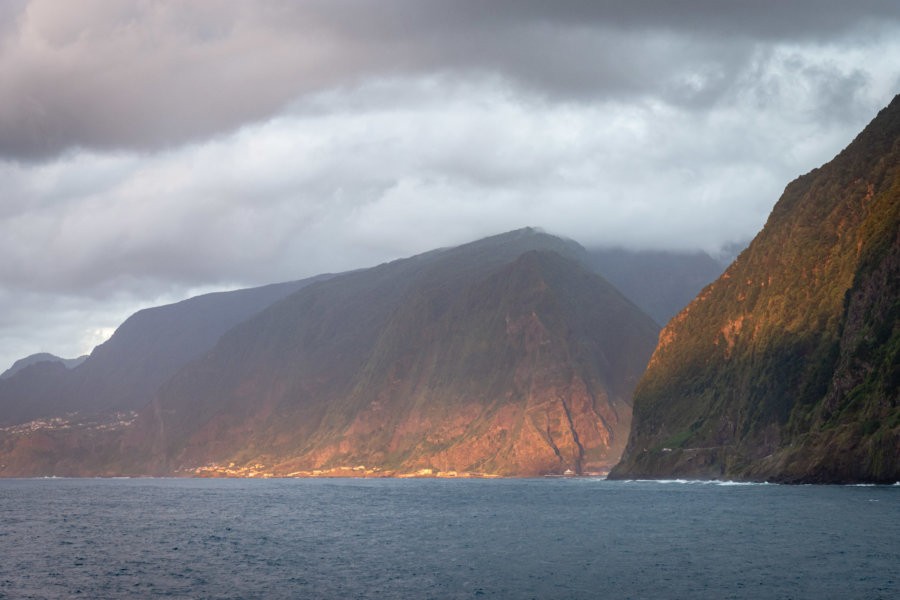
[[505, 356], [785, 368]]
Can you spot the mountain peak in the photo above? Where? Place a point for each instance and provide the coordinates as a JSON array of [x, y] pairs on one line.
[[69, 363], [501, 356]]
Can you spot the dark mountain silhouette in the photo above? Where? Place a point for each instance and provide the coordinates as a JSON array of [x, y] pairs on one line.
[[787, 367], [123, 373], [69, 363], [660, 283]]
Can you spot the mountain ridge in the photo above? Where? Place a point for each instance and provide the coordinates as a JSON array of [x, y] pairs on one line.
[[22, 363], [399, 338], [396, 326], [505, 356], [123, 373]]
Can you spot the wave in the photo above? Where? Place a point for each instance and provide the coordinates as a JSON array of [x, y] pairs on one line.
[[716, 482], [897, 484], [728, 482]]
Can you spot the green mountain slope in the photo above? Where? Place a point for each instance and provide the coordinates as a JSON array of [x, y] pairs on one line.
[[786, 367]]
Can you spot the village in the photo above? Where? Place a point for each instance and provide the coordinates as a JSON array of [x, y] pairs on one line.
[[258, 470], [72, 421]]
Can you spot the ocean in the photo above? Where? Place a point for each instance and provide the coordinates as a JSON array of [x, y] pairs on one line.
[[443, 538]]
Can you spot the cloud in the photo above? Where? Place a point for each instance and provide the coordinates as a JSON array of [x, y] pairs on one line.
[[400, 166], [149, 76], [151, 150]]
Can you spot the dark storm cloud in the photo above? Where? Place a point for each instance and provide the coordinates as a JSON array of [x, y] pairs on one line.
[[136, 75]]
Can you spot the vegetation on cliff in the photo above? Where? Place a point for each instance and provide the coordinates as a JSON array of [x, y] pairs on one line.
[[786, 367]]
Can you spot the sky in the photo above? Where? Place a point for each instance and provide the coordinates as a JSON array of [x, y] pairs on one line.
[[154, 150]]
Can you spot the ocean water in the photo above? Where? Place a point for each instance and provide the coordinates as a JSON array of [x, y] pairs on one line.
[[427, 538]]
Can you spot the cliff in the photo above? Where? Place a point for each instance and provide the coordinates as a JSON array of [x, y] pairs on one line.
[[786, 367]]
